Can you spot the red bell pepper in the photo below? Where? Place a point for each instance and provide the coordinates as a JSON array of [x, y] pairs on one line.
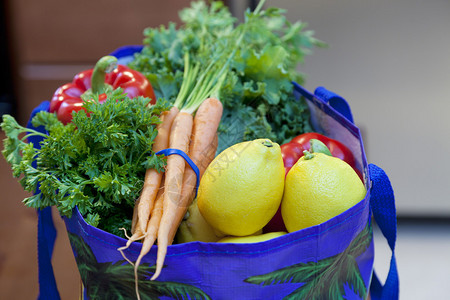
[[291, 153], [106, 75]]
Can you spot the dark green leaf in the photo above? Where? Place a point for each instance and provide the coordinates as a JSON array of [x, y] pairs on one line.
[[261, 72]]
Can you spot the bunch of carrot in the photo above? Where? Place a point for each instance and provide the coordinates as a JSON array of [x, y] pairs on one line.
[[190, 126], [165, 197]]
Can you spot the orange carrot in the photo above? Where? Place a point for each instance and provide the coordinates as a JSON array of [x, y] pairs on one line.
[[134, 219], [206, 122], [152, 179], [179, 139], [152, 182], [187, 192], [151, 231], [202, 150]]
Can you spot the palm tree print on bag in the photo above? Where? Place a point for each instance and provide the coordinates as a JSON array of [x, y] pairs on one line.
[[108, 280], [329, 278]]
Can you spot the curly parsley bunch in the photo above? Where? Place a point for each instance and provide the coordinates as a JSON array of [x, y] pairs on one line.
[[96, 163]]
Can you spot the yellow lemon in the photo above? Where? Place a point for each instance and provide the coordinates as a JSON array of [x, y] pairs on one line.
[[252, 238], [317, 188], [195, 228], [242, 188]]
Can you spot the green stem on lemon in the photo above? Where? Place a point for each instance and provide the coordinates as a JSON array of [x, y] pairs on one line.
[[267, 143], [307, 155]]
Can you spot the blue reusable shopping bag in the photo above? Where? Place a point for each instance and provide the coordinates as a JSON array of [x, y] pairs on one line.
[[333, 260]]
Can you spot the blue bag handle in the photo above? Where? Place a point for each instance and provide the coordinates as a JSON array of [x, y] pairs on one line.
[[46, 240], [46, 232], [383, 209]]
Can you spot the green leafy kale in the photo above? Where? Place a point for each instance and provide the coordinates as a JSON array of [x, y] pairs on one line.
[[96, 163], [258, 93]]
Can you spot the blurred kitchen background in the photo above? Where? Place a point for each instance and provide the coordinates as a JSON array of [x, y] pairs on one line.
[[389, 59]]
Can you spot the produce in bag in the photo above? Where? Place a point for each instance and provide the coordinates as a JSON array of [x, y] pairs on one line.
[[340, 244], [230, 85]]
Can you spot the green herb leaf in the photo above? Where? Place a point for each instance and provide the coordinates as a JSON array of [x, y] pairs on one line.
[[96, 163]]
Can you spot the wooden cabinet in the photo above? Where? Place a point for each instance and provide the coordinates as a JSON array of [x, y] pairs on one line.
[[54, 39]]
